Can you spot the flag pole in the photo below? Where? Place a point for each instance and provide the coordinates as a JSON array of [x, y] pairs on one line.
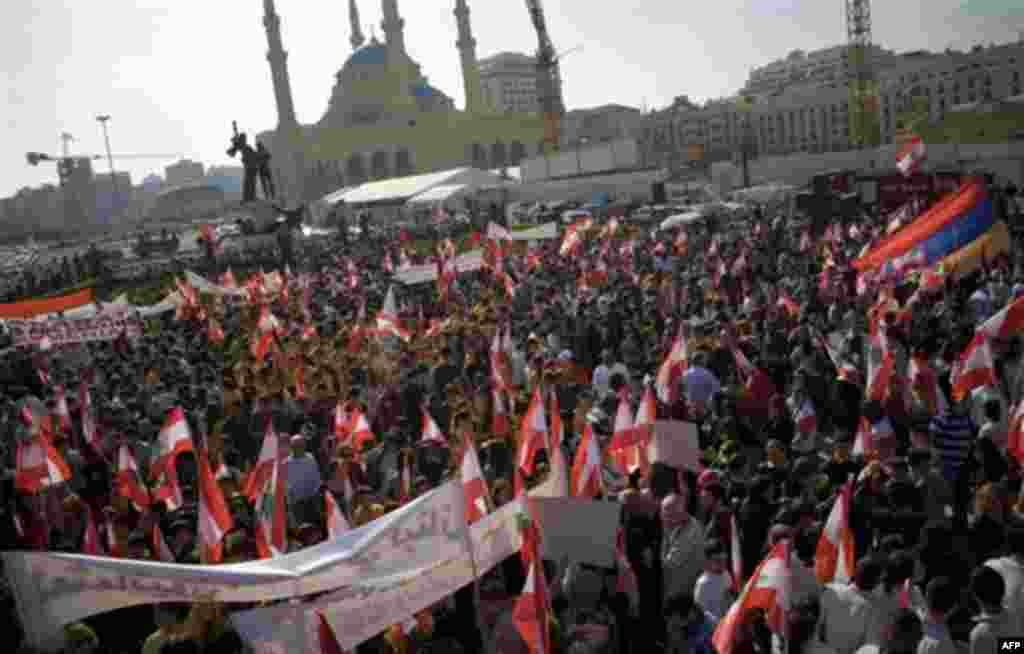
[[473, 566]]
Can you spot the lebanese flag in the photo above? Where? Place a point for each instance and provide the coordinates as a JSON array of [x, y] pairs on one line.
[[624, 437], [769, 589], [735, 554], [60, 409], [757, 385], [643, 427], [39, 465], [531, 612], [387, 318], [805, 418], [501, 365], [559, 474], [159, 546], [361, 432], [227, 280], [342, 429], [925, 385], [336, 522], [271, 514], [1007, 323], [91, 536], [129, 482], [532, 433], [881, 365], [682, 243], [571, 242], [264, 468], [175, 438], [868, 434], [673, 366], [586, 467], [499, 418], [474, 486], [910, 156], [89, 431], [1015, 433], [975, 367], [214, 518], [431, 432], [835, 558]]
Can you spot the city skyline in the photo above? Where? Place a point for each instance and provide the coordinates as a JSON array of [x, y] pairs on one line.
[[167, 97]]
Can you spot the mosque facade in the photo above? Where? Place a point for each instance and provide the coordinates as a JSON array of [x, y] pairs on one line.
[[384, 118]]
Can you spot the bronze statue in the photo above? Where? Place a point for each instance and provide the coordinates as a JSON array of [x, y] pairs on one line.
[[250, 161], [266, 180]]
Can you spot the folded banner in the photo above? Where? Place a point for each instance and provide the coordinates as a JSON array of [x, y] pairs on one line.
[[60, 332], [361, 610], [53, 589], [32, 308]]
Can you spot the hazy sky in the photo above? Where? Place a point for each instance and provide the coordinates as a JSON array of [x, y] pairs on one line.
[[173, 74]]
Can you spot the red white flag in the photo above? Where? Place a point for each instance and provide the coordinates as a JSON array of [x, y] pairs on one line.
[[431, 432], [532, 433], [624, 437], [264, 468], [214, 518], [128, 480], [910, 156], [673, 366], [39, 464], [531, 611], [336, 522], [835, 558], [769, 589], [975, 367], [474, 486], [586, 467], [499, 421], [387, 318]]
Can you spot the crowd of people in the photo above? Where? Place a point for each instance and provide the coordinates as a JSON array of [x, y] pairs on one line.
[[937, 508]]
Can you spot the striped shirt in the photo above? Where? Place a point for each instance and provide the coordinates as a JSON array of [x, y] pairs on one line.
[[952, 437]]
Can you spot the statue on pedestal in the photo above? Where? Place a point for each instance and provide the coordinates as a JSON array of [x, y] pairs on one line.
[[256, 163]]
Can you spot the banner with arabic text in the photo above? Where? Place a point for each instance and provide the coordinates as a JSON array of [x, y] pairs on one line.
[[361, 610], [61, 332], [32, 308], [54, 589]]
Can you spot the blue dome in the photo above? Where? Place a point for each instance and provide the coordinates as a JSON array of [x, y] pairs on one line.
[[374, 54], [425, 91]]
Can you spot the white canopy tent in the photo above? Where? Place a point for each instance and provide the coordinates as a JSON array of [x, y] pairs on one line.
[[439, 195]]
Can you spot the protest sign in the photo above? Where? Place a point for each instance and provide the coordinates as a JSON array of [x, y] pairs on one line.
[[59, 332], [582, 530], [468, 262], [55, 589], [676, 444]]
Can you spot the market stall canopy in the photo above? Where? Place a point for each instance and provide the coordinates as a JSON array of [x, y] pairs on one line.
[[439, 194]]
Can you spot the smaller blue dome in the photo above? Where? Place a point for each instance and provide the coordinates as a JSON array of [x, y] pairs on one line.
[[425, 91], [372, 55]]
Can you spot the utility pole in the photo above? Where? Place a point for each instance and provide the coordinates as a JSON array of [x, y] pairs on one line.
[[103, 120]]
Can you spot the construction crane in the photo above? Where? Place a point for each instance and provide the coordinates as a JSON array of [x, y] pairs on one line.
[[67, 162], [864, 107], [549, 80]]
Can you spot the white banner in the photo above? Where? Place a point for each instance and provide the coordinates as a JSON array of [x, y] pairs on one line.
[[363, 609], [202, 285], [544, 232], [53, 590], [468, 262], [100, 328]]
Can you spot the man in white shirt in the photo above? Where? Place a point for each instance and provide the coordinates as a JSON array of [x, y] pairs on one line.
[[941, 597], [850, 617], [603, 373], [1011, 568], [713, 591], [303, 472]]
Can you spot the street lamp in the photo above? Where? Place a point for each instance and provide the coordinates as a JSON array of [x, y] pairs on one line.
[[103, 120]]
